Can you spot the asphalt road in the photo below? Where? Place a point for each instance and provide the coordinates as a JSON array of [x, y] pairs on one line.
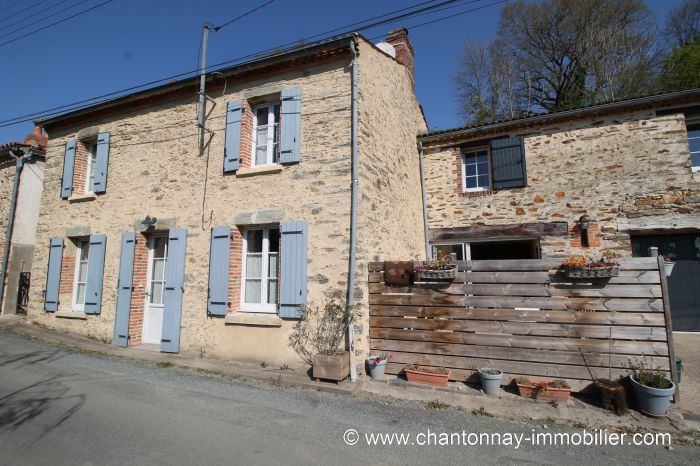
[[58, 407]]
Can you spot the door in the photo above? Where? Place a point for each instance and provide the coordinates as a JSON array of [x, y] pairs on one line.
[[153, 312], [683, 289]]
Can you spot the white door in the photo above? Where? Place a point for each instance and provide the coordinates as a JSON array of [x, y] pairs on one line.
[[153, 313]]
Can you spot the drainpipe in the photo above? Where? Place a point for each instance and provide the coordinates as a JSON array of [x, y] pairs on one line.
[[19, 165], [353, 205], [425, 206]]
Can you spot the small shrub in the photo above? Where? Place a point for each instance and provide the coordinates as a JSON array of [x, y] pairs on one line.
[[427, 369], [612, 395], [481, 412], [436, 404], [650, 377]]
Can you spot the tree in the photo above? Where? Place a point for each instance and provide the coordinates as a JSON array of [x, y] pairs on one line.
[[683, 23], [682, 68], [552, 55]]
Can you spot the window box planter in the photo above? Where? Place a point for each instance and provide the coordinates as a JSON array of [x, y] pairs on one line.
[[428, 273], [335, 367], [592, 272], [544, 390], [434, 376]]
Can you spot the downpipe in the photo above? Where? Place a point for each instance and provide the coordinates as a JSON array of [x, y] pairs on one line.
[[425, 205], [353, 205]]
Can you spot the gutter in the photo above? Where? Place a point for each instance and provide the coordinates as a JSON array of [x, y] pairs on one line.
[[425, 206], [353, 205], [19, 165]]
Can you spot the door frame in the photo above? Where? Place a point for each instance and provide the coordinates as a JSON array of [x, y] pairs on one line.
[[149, 275]]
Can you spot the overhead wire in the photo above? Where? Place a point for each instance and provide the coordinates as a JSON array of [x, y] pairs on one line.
[[2, 20], [31, 15]]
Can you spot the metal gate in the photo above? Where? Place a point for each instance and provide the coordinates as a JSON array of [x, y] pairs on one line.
[[23, 292]]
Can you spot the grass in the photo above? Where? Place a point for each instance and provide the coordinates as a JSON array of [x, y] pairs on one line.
[[164, 364], [481, 412], [436, 404]]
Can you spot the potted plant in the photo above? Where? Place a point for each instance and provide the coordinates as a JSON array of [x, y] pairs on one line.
[[554, 390], [435, 376], [668, 265], [652, 389], [612, 395], [490, 380], [377, 365], [440, 269], [319, 333], [583, 267]]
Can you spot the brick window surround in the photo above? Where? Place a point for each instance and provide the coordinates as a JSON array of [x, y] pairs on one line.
[[247, 119], [80, 166], [457, 174], [138, 294]]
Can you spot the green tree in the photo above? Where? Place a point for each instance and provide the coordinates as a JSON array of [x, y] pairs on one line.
[[681, 68]]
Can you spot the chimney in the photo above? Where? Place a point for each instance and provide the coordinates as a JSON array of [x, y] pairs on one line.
[[404, 50]]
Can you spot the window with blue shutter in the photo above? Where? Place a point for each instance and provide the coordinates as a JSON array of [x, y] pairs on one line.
[[68, 163], [124, 289], [217, 301], [101, 163], [53, 274], [293, 269], [508, 162], [232, 145], [290, 150], [174, 290], [95, 271]]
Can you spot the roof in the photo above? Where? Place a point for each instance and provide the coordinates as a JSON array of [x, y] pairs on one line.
[[317, 48], [685, 97], [35, 140]]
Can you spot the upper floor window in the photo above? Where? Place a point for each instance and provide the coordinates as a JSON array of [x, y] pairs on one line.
[[266, 119], [81, 265], [261, 249], [476, 170], [694, 143], [91, 167]]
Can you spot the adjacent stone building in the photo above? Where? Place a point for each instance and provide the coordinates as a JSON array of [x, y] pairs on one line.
[[147, 236], [621, 176]]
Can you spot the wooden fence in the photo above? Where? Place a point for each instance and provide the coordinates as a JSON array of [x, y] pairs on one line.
[[525, 318]]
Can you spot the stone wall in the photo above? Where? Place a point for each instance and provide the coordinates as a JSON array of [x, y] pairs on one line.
[[610, 168]]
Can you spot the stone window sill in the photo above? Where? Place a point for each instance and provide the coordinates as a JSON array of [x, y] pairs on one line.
[[252, 171], [72, 315], [82, 197], [253, 319]]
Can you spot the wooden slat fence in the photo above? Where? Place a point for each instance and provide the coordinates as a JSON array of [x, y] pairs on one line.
[[525, 318]]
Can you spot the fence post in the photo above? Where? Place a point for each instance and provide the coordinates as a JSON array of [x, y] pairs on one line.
[[669, 330]]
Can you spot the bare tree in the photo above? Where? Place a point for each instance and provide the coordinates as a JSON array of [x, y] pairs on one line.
[[683, 23]]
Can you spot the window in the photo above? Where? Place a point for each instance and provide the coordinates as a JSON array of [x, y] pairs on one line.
[[694, 143], [475, 170], [159, 255], [81, 265], [490, 250], [266, 120], [260, 263], [91, 165]]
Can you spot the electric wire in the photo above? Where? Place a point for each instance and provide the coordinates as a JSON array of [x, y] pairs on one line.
[[218, 28], [2, 20], [40, 20]]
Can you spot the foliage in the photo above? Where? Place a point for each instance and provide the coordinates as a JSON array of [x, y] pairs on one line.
[[584, 262], [379, 358], [321, 329], [490, 371], [683, 23], [427, 369], [649, 376], [681, 69], [612, 395], [441, 263]]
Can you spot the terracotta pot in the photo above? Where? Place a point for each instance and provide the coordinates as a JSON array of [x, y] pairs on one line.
[[540, 390], [427, 378]]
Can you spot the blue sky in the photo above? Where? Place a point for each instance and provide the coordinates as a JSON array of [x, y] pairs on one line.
[[130, 42]]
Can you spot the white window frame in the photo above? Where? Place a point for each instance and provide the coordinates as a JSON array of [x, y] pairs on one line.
[[91, 164], [464, 169], [270, 160], [76, 274], [467, 249], [149, 273], [263, 306], [689, 128]]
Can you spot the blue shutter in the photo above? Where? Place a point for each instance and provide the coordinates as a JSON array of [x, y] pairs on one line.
[[508, 161], [68, 163], [217, 301], [174, 289], [124, 289], [291, 125], [232, 148], [101, 163], [95, 271], [53, 274], [293, 267]]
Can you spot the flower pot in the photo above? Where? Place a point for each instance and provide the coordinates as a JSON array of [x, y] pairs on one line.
[[334, 367], [448, 273], [592, 272], [491, 383], [612, 395], [652, 401], [376, 369], [426, 376], [541, 390], [668, 268]]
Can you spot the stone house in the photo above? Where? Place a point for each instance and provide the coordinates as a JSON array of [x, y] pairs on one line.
[[21, 181], [308, 165], [620, 176]]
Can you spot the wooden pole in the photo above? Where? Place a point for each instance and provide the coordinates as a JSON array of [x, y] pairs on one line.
[[669, 329]]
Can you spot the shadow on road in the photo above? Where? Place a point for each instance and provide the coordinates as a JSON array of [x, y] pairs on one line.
[[31, 358]]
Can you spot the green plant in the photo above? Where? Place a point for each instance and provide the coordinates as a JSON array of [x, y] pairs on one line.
[[441, 263], [436, 404], [322, 329], [489, 371], [481, 412], [649, 376], [164, 364]]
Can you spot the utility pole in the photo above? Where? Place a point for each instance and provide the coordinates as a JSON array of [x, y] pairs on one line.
[[202, 86]]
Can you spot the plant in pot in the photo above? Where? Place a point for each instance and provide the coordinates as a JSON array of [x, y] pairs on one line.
[[440, 269], [612, 395], [490, 380], [319, 334], [435, 376], [668, 265], [583, 267], [546, 390], [377, 365], [652, 389]]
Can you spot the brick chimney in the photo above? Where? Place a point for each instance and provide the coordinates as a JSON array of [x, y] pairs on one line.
[[404, 50]]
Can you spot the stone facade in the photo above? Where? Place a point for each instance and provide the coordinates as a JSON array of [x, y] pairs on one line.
[[155, 169], [613, 168]]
